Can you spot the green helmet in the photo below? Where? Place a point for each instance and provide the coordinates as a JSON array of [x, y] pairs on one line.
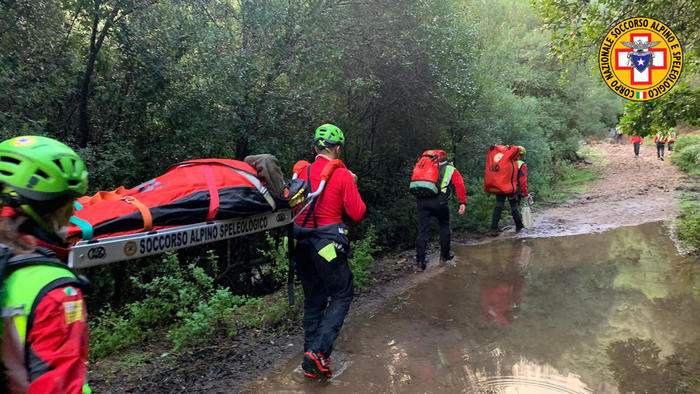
[[522, 150], [328, 135], [41, 169]]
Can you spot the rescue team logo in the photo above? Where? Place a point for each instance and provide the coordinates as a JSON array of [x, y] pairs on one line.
[[73, 311], [640, 59], [23, 141]]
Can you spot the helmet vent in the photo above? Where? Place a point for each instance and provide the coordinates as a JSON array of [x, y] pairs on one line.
[[58, 164], [73, 182], [42, 174], [6, 173], [8, 159]]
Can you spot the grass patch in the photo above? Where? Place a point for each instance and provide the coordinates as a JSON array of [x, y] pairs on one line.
[[594, 154], [572, 182]]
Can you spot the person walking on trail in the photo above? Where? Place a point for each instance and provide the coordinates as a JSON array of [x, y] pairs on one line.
[[636, 142], [436, 206], [671, 141], [660, 139], [45, 334], [322, 252], [513, 199]]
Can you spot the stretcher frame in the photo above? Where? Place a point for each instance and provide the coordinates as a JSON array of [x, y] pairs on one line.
[[133, 246]]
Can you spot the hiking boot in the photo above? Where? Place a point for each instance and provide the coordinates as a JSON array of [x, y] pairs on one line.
[[518, 229], [446, 259], [493, 233], [420, 265], [316, 364]]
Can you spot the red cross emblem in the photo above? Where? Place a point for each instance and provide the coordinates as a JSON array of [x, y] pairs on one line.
[[659, 61]]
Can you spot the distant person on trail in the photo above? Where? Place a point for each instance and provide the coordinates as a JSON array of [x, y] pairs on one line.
[[671, 141], [660, 139], [513, 199], [636, 141], [616, 133], [322, 252], [436, 206], [45, 333]]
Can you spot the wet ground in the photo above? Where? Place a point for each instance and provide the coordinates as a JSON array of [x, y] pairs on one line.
[[609, 312]]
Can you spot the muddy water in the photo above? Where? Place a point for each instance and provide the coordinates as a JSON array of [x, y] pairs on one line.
[[612, 312]]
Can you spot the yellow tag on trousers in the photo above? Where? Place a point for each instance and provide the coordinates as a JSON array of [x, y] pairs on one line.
[[328, 252]]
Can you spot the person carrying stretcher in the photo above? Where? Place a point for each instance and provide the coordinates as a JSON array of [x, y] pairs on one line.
[[323, 250], [45, 334]]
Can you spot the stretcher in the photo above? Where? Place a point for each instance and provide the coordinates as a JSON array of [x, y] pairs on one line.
[[107, 248], [133, 246]]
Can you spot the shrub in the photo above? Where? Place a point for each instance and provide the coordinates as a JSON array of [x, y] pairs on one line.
[[182, 300], [276, 253], [363, 250], [686, 154], [688, 225]]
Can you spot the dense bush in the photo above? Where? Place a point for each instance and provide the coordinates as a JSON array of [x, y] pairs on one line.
[[686, 154], [181, 300]]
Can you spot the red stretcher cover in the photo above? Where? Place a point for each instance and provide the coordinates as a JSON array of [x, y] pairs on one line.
[[501, 172], [189, 192]]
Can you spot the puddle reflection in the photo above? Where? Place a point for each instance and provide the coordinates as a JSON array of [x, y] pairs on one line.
[[605, 313]]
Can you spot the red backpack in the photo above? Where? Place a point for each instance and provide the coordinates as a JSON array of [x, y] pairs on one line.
[[501, 174], [425, 180]]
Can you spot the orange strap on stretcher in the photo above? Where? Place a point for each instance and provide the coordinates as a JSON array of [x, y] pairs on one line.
[[145, 212]]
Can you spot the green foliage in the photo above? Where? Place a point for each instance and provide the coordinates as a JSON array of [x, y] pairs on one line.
[[182, 300], [277, 255], [688, 223], [363, 256], [686, 154]]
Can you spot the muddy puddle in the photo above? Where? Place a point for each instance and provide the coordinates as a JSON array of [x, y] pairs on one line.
[[611, 312]]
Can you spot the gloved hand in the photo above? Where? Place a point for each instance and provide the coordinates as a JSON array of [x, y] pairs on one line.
[[530, 199]]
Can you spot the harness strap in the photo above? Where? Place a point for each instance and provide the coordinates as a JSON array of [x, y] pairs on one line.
[[145, 212], [85, 227], [213, 193], [311, 210]]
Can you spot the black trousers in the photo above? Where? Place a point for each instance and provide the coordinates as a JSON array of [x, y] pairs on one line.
[[636, 148], [427, 208], [659, 150], [670, 146], [328, 291], [498, 209]]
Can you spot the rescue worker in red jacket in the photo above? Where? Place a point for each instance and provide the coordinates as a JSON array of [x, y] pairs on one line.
[[437, 207], [45, 335], [636, 141], [322, 252], [513, 199]]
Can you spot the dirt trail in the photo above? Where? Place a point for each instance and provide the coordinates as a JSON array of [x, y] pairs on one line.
[[631, 191]]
